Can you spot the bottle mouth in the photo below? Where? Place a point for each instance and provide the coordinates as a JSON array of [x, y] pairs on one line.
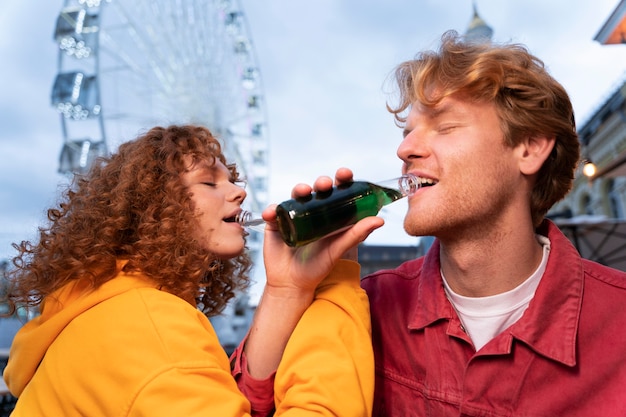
[[249, 219], [408, 184], [242, 217]]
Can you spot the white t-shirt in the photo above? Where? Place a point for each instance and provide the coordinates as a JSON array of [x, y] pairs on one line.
[[483, 318]]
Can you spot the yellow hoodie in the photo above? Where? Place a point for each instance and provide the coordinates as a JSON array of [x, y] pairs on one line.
[[129, 349]]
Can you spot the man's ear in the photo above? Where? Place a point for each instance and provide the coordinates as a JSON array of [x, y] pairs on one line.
[[533, 152]]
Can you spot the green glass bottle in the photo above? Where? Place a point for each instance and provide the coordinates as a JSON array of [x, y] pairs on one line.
[[305, 220]]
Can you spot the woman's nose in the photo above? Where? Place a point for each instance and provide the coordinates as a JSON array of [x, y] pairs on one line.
[[239, 192]]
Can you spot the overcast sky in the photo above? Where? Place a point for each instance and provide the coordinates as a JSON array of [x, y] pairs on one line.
[[323, 65]]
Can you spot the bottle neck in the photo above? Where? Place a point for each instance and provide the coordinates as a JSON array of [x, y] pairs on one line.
[[406, 185]]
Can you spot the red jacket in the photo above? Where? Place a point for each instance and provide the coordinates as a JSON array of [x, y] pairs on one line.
[[566, 356]]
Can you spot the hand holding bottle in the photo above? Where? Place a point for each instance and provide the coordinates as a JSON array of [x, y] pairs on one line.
[[303, 267]]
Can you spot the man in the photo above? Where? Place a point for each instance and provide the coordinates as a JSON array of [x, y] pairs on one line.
[[502, 317]]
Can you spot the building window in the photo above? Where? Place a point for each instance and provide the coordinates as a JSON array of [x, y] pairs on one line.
[[587, 207], [615, 201]]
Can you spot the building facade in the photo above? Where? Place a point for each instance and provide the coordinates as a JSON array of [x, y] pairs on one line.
[[376, 257], [602, 192], [593, 214], [603, 140]]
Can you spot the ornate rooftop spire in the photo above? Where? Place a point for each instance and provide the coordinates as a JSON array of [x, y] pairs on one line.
[[478, 30]]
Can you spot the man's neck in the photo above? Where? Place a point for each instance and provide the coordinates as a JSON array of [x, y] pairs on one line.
[[491, 263]]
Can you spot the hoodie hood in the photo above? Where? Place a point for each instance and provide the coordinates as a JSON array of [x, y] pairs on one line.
[[57, 310]]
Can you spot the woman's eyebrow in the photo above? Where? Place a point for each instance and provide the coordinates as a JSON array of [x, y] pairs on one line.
[[217, 170]]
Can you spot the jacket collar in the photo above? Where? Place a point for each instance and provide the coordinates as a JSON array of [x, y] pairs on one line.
[[550, 324]]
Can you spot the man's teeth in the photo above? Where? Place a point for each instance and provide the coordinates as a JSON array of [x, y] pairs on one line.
[[427, 182]]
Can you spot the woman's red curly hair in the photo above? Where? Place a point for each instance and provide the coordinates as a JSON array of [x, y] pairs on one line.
[[132, 206]]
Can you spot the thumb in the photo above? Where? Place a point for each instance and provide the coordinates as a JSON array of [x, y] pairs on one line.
[[362, 229], [356, 234]]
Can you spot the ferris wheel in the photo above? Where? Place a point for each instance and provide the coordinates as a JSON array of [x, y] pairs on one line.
[[127, 65]]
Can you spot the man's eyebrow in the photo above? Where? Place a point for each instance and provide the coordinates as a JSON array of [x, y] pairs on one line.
[[433, 113]]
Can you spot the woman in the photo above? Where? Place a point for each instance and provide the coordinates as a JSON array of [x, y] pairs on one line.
[[135, 257]]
